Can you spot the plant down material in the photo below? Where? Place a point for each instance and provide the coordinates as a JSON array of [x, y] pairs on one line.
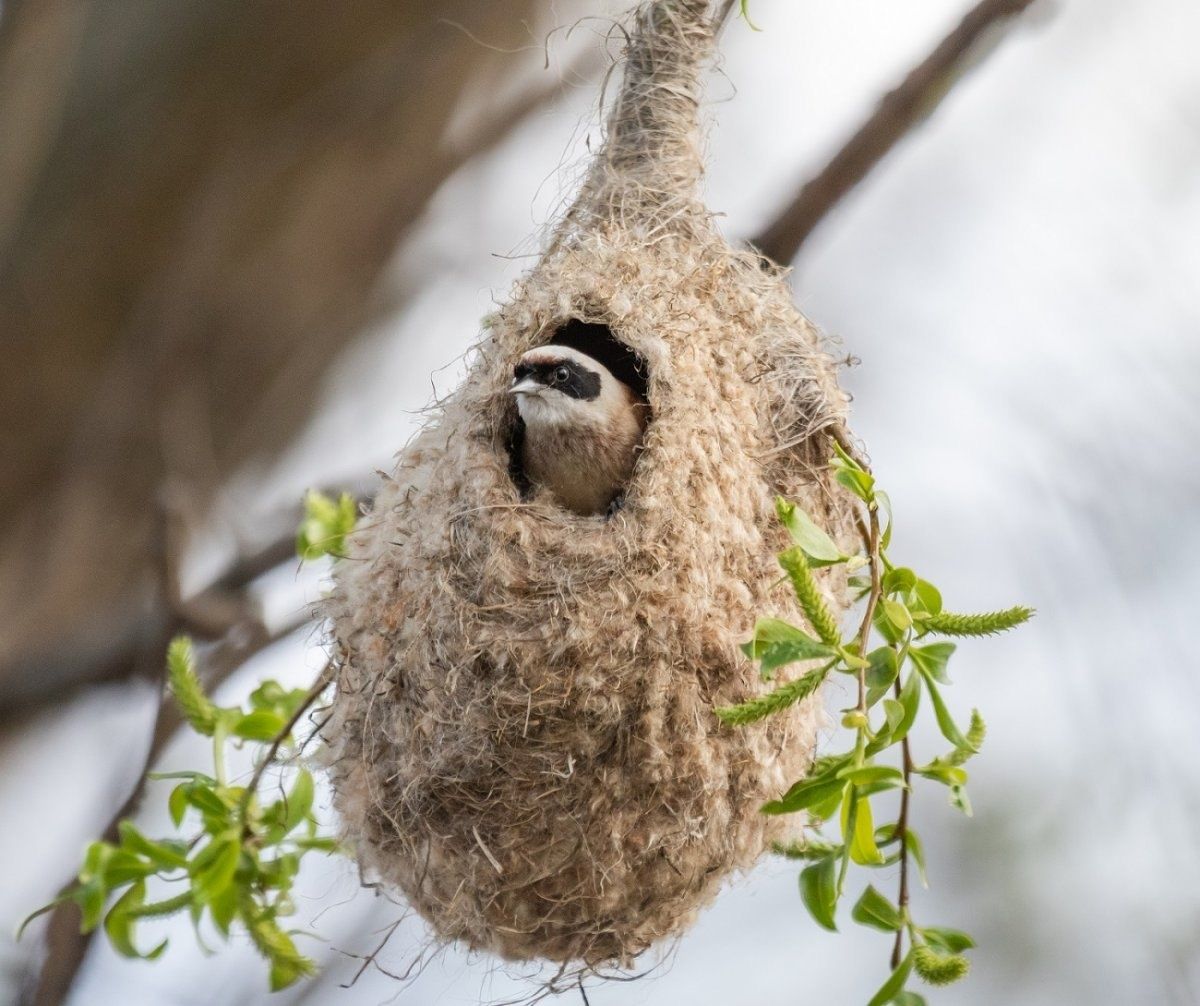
[[523, 739]]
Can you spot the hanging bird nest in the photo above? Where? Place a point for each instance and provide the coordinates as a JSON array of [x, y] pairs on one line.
[[523, 736]]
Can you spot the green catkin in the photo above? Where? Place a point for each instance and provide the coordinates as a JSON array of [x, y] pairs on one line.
[[810, 849], [939, 969], [795, 564], [274, 944], [773, 702], [947, 623], [167, 907], [184, 685]]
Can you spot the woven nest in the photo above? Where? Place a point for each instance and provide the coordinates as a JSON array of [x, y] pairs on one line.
[[522, 736]]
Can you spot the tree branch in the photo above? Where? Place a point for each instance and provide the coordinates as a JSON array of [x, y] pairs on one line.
[[66, 946], [897, 113]]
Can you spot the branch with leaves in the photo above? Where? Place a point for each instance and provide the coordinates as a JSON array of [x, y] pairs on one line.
[[905, 612], [235, 857]]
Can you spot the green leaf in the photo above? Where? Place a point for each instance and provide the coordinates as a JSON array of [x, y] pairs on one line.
[[882, 667], [805, 533], [960, 800], [894, 711], [184, 684], [208, 780], [818, 889], [167, 855], [325, 525], [320, 844], [952, 941], [863, 849], [943, 772], [868, 775], [895, 983], [932, 659], [177, 803], [916, 849], [949, 623], [907, 998], [874, 910], [68, 895], [299, 800], [929, 598], [829, 804], [91, 897], [205, 799], [910, 699], [124, 866], [773, 702], [976, 735], [944, 720], [777, 643], [260, 725], [213, 869], [899, 580], [806, 794], [861, 483], [896, 613], [223, 906], [118, 924], [780, 654], [885, 505]]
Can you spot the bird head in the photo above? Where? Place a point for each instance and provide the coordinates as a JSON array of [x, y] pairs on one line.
[[560, 386]]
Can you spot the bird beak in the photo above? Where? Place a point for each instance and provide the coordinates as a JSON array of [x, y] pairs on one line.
[[525, 386]]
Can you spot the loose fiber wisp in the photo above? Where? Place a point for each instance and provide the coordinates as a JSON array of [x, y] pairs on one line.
[[522, 739]]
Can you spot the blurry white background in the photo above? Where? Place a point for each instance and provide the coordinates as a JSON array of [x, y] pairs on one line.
[[1021, 281]]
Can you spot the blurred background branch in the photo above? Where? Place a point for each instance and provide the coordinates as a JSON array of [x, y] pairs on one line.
[[197, 205], [912, 101]]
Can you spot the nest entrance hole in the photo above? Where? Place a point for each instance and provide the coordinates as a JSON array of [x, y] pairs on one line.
[[599, 342]]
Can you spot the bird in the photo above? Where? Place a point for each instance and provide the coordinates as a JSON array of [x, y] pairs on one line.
[[583, 428]]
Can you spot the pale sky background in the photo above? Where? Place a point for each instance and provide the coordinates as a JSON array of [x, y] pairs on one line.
[[1021, 281]]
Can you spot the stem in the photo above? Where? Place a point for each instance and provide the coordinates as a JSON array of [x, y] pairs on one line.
[[902, 834], [219, 738], [864, 632], [323, 681]]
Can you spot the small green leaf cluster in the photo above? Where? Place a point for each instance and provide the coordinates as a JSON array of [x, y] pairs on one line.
[[325, 525], [236, 857], [905, 614]]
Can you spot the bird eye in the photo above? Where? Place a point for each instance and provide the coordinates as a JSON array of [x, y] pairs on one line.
[[561, 375]]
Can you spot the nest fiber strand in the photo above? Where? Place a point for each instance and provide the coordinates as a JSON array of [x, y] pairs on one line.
[[523, 738]]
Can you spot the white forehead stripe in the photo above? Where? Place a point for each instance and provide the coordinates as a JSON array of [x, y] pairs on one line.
[[543, 355]]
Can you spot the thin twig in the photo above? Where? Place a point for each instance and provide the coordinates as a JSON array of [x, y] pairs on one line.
[[324, 679], [899, 110], [902, 834], [371, 958]]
